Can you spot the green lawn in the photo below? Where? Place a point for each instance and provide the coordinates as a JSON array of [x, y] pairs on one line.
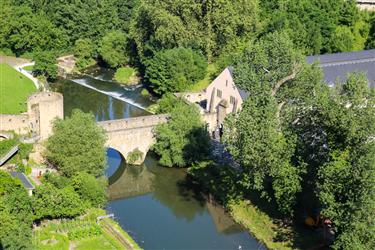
[[29, 67], [14, 90], [202, 84]]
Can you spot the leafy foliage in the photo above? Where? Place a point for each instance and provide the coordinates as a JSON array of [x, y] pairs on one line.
[[15, 214], [45, 64], [90, 189], [112, 49], [183, 140], [175, 70], [52, 202], [134, 156], [77, 145]]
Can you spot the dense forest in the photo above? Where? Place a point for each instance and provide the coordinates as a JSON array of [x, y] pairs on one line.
[[133, 32]]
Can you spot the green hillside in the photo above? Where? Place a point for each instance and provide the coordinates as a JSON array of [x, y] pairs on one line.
[[14, 90]]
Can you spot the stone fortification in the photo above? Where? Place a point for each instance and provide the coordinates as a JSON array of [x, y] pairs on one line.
[[42, 109]]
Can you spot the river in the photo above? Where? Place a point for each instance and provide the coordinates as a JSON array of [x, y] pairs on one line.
[[152, 203]]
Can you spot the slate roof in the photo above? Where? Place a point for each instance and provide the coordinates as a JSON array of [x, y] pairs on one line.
[[22, 177], [337, 66]]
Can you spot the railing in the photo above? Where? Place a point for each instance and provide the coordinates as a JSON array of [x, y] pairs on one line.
[[10, 153]]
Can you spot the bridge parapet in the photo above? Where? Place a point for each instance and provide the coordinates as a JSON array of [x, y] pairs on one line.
[[134, 122]]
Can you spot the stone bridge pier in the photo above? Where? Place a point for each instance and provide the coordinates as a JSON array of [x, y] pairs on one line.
[[127, 135]]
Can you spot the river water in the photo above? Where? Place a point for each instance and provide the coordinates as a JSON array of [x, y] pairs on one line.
[[152, 203]]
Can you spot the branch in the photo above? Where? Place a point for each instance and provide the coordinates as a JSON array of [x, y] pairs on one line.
[[279, 107], [286, 79]]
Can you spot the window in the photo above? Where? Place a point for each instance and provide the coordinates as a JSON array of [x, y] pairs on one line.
[[232, 100], [226, 83], [218, 93]]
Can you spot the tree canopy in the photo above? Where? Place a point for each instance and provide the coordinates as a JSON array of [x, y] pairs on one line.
[[175, 70], [183, 140], [77, 145]]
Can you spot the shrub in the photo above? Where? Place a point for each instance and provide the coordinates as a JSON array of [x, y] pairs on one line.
[[134, 156], [145, 93], [126, 75]]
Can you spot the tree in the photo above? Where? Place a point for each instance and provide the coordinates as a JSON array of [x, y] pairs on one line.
[[15, 214], [45, 64], [175, 70], [346, 176], [77, 145], [84, 51], [206, 26], [51, 202], [113, 49], [90, 189], [260, 135], [183, 140]]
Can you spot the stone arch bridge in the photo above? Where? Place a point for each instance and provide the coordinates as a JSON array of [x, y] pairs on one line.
[[126, 135]]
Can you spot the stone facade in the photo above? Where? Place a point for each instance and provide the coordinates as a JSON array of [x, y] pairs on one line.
[[42, 109]]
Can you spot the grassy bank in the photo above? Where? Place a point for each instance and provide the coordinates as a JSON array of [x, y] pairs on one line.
[[126, 75], [14, 90], [258, 223], [82, 234]]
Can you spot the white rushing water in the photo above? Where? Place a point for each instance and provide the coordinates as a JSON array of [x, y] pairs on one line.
[[116, 95]]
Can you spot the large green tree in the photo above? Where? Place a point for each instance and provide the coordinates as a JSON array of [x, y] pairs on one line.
[[346, 177], [175, 70], [113, 49], [183, 140], [77, 145], [259, 137]]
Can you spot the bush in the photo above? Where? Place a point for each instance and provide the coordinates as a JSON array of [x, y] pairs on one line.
[[145, 93], [90, 189], [134, 156], [126, 75]]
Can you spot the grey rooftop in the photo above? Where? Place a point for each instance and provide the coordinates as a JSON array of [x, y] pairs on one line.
[[25, 181], [337, 66]]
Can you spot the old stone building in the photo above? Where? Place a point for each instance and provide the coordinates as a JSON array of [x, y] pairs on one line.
[[42, 109]]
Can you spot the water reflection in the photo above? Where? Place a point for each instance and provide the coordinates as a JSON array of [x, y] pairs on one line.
[[162, 212]]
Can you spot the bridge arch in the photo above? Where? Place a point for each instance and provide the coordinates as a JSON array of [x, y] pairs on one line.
[[127, 135]]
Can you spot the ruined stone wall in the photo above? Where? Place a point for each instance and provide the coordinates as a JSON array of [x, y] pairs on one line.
[[17, 123], [42, 109]]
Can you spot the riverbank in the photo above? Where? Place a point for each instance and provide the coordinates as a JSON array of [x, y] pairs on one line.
[[259, 217], [82, 233]]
